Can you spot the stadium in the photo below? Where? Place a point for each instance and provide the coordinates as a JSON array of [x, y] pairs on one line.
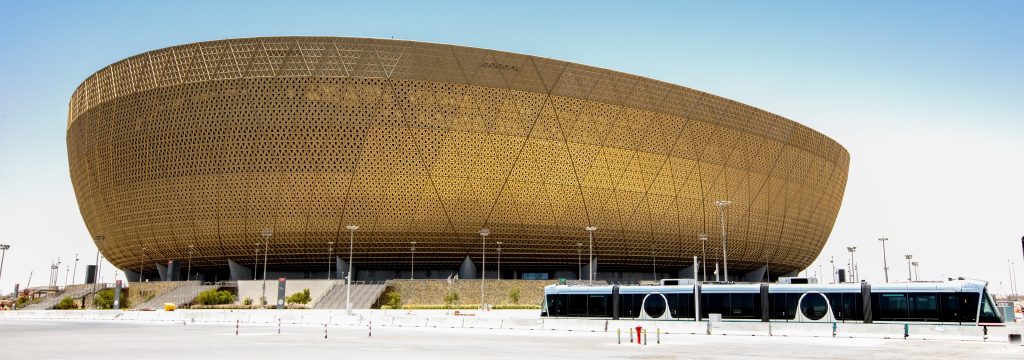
[[302, 157]]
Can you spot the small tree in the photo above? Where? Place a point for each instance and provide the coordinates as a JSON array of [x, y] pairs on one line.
[[513, 295], [247, 302], [451, 298], [66, 304], [301, 297], [393, 298]]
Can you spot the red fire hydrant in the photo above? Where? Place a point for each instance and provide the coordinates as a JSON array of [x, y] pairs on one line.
[[638, 330]]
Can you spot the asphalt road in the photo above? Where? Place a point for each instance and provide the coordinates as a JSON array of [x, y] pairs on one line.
[[144, 340]]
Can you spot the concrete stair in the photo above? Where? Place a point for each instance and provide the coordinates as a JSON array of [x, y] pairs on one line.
[[363, 296], [181, 295], [76, 292]]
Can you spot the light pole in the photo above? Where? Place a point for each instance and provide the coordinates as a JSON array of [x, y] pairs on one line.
[[330, 258], [499, 259], [1013, 283], [917, 275], [703, 257], [67, 272], [832, 261], [885, 262], [74, 270], [852, 249], [579, 261], [483, 256], [96, 275], [142, 260], [590, 268], [910, 273], [722, 204], [412, 265], [191, 247], [266, 233], [348, 275], [3, 254], [654, 263]]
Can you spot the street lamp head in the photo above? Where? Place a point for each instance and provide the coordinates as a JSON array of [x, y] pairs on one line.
[[908, 256], [352, 227], [8, 247], [883, 239], [702, 237], [485, 232], [590, 228], [851, 248], [722, 203], [913, 263], [268, 232]]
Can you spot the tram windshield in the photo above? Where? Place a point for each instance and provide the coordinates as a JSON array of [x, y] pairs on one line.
[[989, 313]]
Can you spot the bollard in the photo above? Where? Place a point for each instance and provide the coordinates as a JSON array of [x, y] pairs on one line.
[[279, 326], [371, 328], [236, 326], [833, 329], [906, 331], [630, 336], [659, 335], [325, 331], [638, 330], [645, 336], [618, 334]]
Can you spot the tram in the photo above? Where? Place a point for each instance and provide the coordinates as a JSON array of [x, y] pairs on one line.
[[954, 302]]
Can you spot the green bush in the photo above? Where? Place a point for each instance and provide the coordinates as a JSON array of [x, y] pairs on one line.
[[247, 302], [214, 297], [104, 299], [513, 295], [66, 304], [451, 298], [21, 302], [301, 297], [393, 299]]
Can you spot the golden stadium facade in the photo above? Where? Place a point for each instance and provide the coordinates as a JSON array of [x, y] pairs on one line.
[[187, 153]]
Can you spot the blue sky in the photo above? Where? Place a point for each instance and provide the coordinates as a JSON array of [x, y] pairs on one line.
[[926, 95]]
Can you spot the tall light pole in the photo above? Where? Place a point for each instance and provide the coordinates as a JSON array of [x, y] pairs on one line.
[[348, 276], [910, 273], [704, 255], [267, 233], [256, 261], [96, 275], [590, 268], [67, 272], [885, 262], [579, 261], [851, 249], [1013, 283], [412, 265], [917, 275], [74, 270], [330, 258], [483, 256], [654, 263], [722, 204], [832, 261], [3, 254], [142, 260], [499, 259], [191, 247]]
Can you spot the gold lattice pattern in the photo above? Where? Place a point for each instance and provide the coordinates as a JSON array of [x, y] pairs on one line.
[[208, 143]]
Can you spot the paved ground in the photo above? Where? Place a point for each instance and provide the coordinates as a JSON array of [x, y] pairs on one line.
[[144, 340]]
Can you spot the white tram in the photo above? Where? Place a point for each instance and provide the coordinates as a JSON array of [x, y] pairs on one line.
[[963, 302]]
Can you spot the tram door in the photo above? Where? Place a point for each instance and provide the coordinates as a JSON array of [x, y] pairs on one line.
[[655, 307], [814, 307]]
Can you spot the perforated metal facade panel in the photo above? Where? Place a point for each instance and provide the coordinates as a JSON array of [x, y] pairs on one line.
[[209, 143]]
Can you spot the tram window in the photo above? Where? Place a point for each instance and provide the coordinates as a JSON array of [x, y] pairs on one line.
[[846, 306], [924, 306], [577, 305], [890, 306], [683, 307], [949, 307], [629, 305], [673, 305], [988, 310], [783, 306], [714, 304], [556, 305], [742, 306], [968, 307], [597, 305]]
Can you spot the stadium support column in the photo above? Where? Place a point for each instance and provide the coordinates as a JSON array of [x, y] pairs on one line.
[[468, 269], [593, 261], [239, 272]]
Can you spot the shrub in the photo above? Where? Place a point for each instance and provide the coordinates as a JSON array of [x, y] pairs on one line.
[[104, 299], [21, 302], [301, 297], [513, 295], [451, 298], [66, 304], [393, 299], [247, 302], [214, 297]]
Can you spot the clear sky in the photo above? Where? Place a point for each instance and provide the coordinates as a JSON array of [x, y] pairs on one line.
[[928, 97]]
